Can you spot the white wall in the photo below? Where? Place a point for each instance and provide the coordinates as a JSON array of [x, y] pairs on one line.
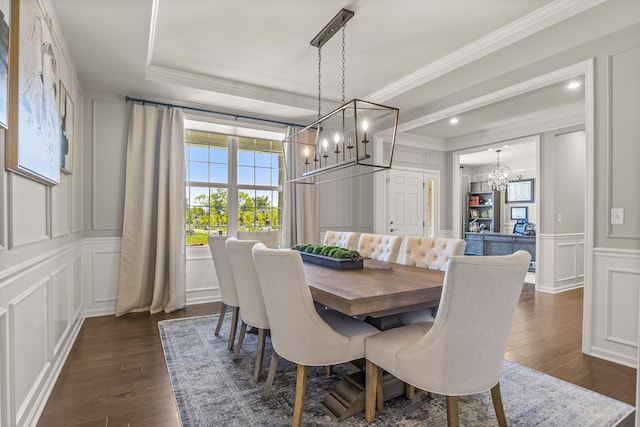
[[41, 302]]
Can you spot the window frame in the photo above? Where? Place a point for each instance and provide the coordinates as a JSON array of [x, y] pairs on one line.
[[233, 135]]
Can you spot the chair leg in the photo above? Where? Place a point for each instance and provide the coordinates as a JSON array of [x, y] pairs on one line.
[[409, 391], [301, 388], [234, 326], [453, 419], [380, 392], [223, 311], [262, 337], [371, 388], [273, 367], [243, 331], [497, 405]]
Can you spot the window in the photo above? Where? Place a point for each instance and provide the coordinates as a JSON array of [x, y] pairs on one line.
[[232, 183]]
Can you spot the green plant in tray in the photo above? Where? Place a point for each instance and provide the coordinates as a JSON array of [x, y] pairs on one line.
[[328, 251]]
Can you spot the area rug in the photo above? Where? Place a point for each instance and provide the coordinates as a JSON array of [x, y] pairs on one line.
[[212, 390]]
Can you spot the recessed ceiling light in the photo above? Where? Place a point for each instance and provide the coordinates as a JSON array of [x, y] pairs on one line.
[[574, 84], [453, 121]]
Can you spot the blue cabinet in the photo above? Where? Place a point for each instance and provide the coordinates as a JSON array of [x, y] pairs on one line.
[[500, 244]]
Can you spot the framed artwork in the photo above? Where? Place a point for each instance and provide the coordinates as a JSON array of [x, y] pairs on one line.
[[5, 16], [66, 131], [519, 212], [33, 136], [520, 191]]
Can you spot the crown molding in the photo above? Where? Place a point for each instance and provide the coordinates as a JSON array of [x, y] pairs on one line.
[[231, 88], [517, 30]]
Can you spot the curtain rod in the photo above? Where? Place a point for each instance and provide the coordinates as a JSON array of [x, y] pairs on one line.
[[202, 110]]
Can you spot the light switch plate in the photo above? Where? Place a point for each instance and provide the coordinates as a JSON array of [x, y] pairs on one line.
[[617, 216]]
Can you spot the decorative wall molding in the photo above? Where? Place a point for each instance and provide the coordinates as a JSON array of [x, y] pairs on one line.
[[611, 333], [561, 266], [4, 377], [102, 258], [29, 358]]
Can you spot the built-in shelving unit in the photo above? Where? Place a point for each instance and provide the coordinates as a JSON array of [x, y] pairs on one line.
[[483, 211]]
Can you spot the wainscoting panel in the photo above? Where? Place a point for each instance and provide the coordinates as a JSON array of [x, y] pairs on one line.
[[102, 268], [566, 262], [622, 291], [110, 124], [40, 318], [28, 211], [61, 207], [560, 266], [61, 308], [202, 282], [614, 306], [29, 360], [4, 378], [336, 204]]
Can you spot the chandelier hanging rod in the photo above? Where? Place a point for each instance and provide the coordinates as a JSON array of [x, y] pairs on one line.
[[332, 27]]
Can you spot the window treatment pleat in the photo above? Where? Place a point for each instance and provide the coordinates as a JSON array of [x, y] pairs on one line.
[[301, 203], [152, 261]]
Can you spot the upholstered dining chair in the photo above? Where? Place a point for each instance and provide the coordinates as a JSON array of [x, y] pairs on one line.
[[434, 254], [253, 313], [271, 238], [379, 246], [227, 285], [343, 239], [298, 332], [462, 352]]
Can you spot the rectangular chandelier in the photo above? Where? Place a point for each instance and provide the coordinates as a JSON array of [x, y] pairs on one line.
[[342, 144]]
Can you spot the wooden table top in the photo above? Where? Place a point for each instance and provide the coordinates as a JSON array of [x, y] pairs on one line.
[[379, 289]]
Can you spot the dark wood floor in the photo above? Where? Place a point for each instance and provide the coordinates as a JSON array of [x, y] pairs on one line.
[[116, 373]]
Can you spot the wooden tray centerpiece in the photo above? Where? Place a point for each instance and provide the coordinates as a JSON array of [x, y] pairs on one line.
[[330, 256]]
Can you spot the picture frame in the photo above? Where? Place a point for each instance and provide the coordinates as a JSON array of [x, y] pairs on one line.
[[520, 191], [66, 131], [33, 135], [5, 17], [474, 213], [519, 212]]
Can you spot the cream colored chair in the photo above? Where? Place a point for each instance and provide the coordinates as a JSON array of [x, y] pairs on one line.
[[227, 285], [271, 238], [462, 352], [298, 332], [427, 252], [253, 312], [342, 239], [379, 247]]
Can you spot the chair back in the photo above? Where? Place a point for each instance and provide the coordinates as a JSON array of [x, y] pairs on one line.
[[252, 309], [469, 337], [298, 333], [343, 239], [427, 252], [223, 270], [379, 247], [271, 238]]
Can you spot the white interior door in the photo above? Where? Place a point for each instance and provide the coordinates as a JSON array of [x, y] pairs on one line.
[[406, 203]]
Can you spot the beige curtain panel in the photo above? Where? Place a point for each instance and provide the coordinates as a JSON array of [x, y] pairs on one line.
[[152, 261], [300, 211]]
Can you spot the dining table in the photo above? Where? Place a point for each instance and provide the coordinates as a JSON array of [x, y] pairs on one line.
[[377, 292], [380, 290]]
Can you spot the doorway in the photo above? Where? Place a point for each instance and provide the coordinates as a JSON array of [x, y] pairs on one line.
[[412, 200]]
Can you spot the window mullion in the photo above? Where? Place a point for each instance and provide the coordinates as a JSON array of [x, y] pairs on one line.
[[232, 222]]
